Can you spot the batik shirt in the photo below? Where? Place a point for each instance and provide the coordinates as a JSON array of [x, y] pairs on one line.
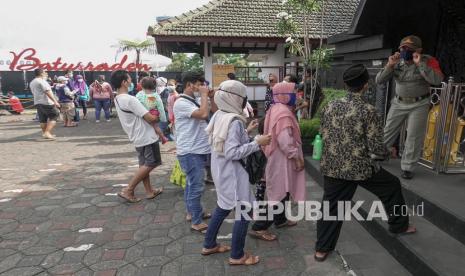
[[352, 131]]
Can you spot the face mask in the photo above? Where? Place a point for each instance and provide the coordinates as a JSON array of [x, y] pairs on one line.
[[131, 87], [406, 55], [196, 94], [80, 80], [292, 100]]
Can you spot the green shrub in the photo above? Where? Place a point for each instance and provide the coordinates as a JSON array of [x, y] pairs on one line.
[[310, 128], [330, 94]]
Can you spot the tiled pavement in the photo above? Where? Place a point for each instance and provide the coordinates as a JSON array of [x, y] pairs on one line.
[[59, 213]]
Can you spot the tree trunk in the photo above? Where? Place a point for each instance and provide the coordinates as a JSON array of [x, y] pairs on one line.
[[137, 65]]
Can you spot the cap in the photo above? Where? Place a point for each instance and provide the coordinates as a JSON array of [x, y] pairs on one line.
[[411, 41], [356, 75], [62, 78]]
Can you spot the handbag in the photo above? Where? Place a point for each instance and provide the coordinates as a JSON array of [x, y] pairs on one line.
[[178, 177]]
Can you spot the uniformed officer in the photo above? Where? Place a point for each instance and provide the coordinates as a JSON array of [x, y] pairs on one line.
[[413, 74]]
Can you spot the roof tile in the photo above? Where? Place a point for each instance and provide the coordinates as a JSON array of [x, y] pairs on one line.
[[253, 18]]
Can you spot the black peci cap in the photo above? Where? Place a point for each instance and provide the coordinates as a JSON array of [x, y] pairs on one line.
[[356, 75]]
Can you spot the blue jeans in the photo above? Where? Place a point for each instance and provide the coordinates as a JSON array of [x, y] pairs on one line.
[[193, 165], [105, 104], [238, 234]]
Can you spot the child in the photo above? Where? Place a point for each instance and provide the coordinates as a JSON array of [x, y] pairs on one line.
[[152, 101]]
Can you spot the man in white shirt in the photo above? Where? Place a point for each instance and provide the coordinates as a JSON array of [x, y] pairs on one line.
[[136, 122], [192, 142], [45, 102]]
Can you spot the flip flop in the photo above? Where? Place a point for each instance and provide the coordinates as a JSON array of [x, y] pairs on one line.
[[287, 224], [129, 199], [263, 235], [217, 249], [155, 193], [248, 259], [201, 230], [205, 216]]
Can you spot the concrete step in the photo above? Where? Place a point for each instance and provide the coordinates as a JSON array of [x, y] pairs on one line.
[[442, 196], [431, 251]]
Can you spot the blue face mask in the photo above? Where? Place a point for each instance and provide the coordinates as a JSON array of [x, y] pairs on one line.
[[131, 87], [292, 100], [406, 55]]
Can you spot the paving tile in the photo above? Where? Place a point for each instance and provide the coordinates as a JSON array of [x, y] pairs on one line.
[[116, 254]]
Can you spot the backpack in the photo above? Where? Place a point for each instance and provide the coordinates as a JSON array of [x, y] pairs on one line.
[[255, 165]]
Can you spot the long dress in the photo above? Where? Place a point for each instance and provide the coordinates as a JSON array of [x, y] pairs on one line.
[[281, 176]]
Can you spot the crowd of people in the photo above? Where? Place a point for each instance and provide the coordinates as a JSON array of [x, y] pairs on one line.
[[214, 132], [67, 96]]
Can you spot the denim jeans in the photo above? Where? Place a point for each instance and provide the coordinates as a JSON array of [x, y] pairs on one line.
[[99, 104], [83, 105], [193, 165], [238, 234]]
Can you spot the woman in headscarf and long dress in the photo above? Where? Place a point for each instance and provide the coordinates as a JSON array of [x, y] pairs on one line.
[[284, 173], [82, 94], [230, 144]]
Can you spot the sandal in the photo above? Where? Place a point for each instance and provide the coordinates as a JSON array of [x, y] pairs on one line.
[[321, 259], [155, 193], [263, 235], [130, 199], [248, 259], [410, 230], [288, 223], [217, 249], [205, 216], [202, 229]]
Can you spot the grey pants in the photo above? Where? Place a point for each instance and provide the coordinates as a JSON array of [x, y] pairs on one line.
[[416, 115]]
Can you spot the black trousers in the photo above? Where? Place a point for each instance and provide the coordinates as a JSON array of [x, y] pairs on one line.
[[278, 219], [383, 184]]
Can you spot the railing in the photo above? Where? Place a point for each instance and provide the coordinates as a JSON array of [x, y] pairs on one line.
[[444, 144]]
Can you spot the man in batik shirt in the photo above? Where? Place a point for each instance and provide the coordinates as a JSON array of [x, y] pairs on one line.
[[353, 143]]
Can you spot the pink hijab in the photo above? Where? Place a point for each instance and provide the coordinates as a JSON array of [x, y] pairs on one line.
[[280, 116]]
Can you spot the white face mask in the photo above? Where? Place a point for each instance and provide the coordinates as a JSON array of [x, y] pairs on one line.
[[80, 80], [197, 94]]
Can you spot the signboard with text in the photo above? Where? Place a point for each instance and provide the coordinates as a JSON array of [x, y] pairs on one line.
[[27, 60]]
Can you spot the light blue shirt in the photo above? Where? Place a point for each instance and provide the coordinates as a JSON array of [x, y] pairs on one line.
[[191, 137]]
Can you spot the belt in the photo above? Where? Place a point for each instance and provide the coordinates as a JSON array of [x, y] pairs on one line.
[[412, 99]]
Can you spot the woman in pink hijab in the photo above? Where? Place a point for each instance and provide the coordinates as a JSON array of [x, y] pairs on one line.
[[284, 172]]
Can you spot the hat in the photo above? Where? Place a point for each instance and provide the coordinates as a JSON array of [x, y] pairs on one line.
[[356, 75], [411, 41], [234, 86], [62, 78]]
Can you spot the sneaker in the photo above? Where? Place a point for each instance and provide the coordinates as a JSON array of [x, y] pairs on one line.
[[108, 120], [98, 121]]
